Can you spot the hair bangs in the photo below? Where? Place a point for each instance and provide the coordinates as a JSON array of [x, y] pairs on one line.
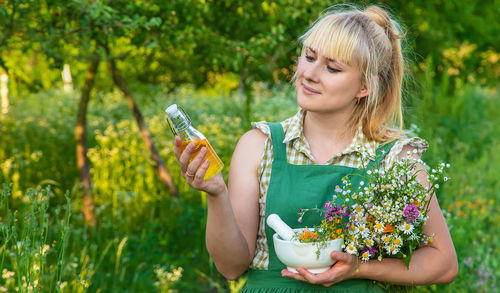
[[335, 37]]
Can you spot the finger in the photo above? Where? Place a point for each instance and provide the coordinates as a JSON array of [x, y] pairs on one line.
[[186, 155], [288, 274], [177, 146], [200, 173], [195, 163], [310, 277], [340, 256]]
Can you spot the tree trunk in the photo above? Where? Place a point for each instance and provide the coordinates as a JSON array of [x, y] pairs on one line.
[[4, 92], [81, 144], [245, 89], [159, 165]]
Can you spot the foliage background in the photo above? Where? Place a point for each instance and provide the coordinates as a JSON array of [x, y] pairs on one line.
[[227, 63]]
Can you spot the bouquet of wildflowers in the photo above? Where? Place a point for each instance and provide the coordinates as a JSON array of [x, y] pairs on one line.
[[385, 214]]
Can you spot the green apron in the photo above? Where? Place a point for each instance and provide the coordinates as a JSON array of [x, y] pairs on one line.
[[294, 187]]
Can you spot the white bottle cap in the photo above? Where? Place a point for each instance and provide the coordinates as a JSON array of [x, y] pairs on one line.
[[172, 110]]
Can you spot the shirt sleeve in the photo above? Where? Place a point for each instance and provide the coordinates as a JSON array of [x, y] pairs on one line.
[[262, 126], [264, 171], [418, 144]]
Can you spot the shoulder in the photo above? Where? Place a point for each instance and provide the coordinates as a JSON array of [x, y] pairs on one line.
[[263, 126], [250, 147], [405, 145], [415, 145], [253, 136]]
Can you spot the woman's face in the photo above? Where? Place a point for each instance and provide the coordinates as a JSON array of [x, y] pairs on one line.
[[327, 85]]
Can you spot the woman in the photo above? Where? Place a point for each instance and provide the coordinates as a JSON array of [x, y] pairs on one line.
[[348, 84]]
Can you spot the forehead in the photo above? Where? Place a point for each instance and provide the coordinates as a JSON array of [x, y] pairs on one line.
[[336, 37], [310, 50]]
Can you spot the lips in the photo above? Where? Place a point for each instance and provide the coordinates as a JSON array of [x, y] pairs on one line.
[[309, 91]]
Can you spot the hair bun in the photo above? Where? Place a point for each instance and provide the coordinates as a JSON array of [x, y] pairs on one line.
[[381, 17]]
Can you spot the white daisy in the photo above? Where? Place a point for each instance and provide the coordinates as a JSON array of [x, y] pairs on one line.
[[358, 208], [398, 241], [379, 227], [362, 229], [394, 250], [365, 256], [391, 249], [406, 228], [351, 249]]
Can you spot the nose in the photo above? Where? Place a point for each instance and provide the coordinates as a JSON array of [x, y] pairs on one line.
[[311, 71]]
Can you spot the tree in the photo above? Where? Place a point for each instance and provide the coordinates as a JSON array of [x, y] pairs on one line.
[[89, 26]]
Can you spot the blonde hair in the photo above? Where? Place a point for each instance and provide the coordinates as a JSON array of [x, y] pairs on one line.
[[370, 39]]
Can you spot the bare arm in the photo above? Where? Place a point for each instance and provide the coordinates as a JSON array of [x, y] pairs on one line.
[[233, 212], [431, 264]]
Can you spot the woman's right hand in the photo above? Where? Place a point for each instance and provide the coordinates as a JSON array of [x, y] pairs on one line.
[[194, 171]]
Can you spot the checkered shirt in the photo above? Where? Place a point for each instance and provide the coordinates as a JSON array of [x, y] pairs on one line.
[[299, 153]]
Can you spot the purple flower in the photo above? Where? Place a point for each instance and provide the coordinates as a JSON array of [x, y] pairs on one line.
[[411, 213], [372, 250]]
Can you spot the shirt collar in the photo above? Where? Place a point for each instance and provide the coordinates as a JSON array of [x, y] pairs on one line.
[[295, 127]]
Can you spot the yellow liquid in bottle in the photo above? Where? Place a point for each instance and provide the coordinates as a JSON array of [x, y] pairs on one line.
[[215, 163]]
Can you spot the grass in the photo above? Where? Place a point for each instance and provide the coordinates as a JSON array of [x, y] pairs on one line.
[[147, 241]]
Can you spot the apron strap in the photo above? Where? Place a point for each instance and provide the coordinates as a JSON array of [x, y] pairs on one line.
[[381, 153], [277, 136]]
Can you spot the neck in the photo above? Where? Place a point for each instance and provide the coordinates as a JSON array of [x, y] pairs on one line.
[[326, 135], [325, 126]]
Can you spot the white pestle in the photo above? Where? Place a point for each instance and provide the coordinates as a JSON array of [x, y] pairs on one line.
[[284, 231]]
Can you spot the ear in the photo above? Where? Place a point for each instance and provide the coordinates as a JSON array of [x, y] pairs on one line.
[[363, 92]]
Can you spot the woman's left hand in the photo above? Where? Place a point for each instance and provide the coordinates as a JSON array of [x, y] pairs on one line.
[[343, 269]]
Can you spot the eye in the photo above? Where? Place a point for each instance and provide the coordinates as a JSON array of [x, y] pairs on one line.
[[309, 58], [332, 70]]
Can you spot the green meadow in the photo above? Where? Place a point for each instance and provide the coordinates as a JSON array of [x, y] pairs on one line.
[[147, 240]]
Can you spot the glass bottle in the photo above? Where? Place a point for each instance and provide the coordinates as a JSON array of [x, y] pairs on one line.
[[180, 124]]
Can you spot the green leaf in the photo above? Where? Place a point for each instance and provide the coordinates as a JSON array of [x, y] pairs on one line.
[[408, 256], [4, 12]]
